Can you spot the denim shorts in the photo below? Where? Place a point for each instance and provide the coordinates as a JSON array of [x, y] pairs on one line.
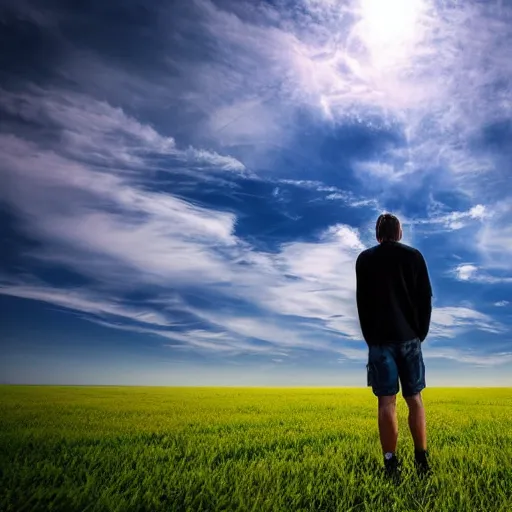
[[393, 362]]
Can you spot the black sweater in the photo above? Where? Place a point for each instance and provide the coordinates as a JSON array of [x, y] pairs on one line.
[[394, 295]]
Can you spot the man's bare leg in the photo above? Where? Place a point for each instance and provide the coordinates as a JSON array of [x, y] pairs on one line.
[[418, 427], [417, 422], [388, 425]]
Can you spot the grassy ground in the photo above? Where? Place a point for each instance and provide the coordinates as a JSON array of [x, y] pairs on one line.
[[93, 448]]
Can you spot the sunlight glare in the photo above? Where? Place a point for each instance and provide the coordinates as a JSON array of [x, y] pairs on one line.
[[390, 27]]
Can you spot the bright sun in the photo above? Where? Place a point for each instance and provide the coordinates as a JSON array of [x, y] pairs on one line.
[[389, 27]]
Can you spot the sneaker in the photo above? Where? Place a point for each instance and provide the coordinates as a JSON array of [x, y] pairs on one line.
[[392, 468], [421, 464], [423, 468]]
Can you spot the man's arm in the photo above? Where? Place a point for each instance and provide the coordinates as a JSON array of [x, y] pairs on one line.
[[362, 299], [423, 297]]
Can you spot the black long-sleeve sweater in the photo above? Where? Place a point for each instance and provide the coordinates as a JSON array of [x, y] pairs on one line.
[[394, 294]]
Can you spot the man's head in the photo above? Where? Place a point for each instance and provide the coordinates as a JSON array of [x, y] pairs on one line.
[[388, 228]]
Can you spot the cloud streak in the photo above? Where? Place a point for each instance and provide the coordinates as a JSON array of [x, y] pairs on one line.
[[95, 132], [448, 322]]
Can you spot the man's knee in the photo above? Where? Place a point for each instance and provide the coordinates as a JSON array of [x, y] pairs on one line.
[[414, 401], [387, 401]]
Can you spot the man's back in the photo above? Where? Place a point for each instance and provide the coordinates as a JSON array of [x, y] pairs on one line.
[[393, 293]]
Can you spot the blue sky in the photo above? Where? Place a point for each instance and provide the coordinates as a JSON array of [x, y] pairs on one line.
[[186, 186]]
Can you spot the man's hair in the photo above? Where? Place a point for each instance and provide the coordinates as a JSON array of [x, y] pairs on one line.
[[387, 228]]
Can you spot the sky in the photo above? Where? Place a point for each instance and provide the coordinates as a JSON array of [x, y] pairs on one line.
[[186, 185]]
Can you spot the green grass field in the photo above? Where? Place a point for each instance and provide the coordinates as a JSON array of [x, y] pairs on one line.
[[105, 448]]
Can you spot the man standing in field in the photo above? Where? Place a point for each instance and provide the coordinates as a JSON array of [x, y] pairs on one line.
[[394, 302]]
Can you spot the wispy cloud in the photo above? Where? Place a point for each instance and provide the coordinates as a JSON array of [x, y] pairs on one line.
[[95, 132], [465, 272], [472, 273], [103, 214], [85, 301], [494, 239], [448, 322], [334, 193], [205, 341], [455, 220], [353, 354], [470, 357]]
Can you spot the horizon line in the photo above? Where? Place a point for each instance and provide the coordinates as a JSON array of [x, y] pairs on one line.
[[236, 386]]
